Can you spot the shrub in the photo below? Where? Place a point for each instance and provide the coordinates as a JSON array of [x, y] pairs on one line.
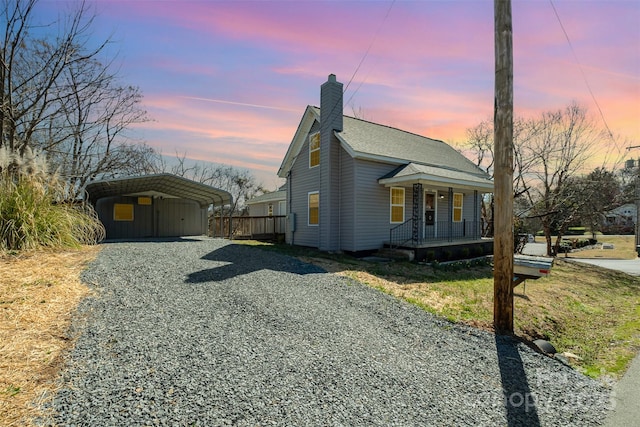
[[431, 255], [575, 231], [33, 212]]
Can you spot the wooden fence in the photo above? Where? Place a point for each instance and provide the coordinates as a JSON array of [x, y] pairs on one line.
[[248, 227]]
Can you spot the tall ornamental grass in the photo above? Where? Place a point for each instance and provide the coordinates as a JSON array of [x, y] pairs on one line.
[[33, 210]]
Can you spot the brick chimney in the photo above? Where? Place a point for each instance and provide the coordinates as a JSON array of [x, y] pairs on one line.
[[331, 112]]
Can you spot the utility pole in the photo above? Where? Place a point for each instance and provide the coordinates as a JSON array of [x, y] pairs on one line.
[[636, 181], [503, 170]]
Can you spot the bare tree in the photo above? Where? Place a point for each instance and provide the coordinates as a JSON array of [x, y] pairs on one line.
[[480, 143], [58, 97], [239, 182], [549, 152], [91, 141], [558, 145], [30, 68]]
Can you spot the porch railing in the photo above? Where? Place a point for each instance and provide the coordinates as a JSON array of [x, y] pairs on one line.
[[401, 234], [440, 231]]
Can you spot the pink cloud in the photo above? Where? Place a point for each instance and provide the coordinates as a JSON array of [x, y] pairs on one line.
[[430, 70]]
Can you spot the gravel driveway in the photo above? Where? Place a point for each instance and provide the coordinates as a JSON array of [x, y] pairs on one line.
[[208, 333]]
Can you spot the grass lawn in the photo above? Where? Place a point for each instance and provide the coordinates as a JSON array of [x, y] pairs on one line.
[[590, 312], [624, 247]]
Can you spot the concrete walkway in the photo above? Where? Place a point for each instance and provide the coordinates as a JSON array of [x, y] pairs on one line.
[[625, 397], [629, 266]]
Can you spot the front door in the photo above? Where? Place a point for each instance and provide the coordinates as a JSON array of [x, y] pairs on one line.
[[429, 209], [429, 215]]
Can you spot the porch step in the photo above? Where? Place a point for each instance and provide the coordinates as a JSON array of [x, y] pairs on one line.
[[397, 254]]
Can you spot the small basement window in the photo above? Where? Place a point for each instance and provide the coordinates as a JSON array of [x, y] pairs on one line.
[[122, 212]]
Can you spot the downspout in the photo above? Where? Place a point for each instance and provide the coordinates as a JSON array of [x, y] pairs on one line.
[[339, 198]]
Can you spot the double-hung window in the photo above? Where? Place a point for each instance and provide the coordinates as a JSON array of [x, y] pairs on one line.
[[397, 205], [314, 149], [457, 207], [314, 208]]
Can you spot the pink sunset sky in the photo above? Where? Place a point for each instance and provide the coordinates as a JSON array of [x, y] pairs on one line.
[[228, 81]]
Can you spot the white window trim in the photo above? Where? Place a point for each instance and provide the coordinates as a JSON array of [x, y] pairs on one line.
[[391, 205], [311, 136], [309, 208], [453, 207]]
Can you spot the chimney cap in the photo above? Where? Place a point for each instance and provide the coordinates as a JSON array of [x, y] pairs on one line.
[[332, 78]]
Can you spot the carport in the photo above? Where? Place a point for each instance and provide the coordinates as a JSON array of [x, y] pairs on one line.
[[159, 205]]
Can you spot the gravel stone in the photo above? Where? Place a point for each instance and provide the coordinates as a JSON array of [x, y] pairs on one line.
[[204, 332]]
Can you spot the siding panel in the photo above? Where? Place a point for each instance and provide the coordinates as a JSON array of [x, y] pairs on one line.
[[347, 203], [302, 181], [372, 219]]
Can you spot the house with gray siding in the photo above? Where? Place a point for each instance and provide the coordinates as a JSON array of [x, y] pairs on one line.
[[273, 203], [267, 216], [356, 186]]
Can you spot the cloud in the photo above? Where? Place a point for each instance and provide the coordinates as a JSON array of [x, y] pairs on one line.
[[231, 79], [243, 104]]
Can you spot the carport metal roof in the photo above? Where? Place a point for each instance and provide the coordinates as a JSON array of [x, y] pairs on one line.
[[159, 185]]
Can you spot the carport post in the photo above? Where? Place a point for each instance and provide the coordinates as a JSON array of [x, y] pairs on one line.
[[230, 225], [637, 227]]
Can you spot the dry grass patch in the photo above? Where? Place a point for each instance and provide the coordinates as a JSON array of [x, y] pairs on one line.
[[38, 293]]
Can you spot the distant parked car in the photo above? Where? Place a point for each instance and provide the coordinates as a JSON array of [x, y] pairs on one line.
[[526, 238]]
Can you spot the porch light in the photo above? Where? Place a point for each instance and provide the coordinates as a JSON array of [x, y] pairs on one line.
[[442, 196]]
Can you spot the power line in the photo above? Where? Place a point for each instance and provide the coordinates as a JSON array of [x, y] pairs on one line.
[[375, 37], [584, 77]]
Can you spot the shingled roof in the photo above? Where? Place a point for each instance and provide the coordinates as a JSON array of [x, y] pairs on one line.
[[417, 155], [164, 184]]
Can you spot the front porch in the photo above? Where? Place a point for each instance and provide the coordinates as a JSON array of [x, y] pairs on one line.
[[460, 236], [442, 250]]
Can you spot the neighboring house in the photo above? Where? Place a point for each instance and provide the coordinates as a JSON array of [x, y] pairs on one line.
[[269, 204], [161, 205], [266, 218], [621, 219], [356, 186]]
